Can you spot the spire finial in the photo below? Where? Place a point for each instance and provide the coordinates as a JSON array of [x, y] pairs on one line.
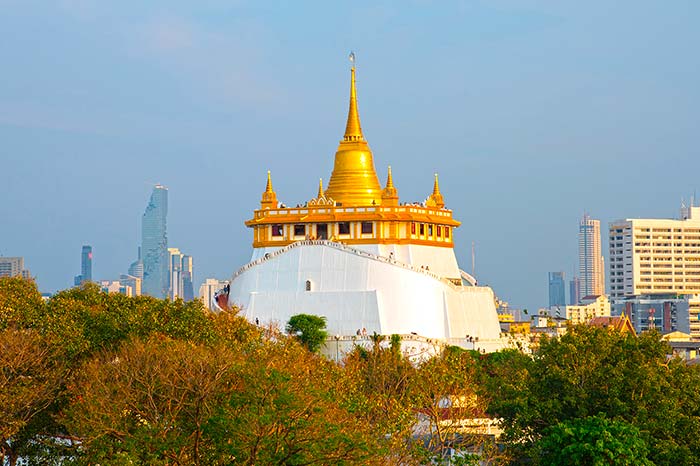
[[390, 195], [269, 197], [436, 199], [353, 130], [436, 186], [268, 187], [320, 189], [389, 179]]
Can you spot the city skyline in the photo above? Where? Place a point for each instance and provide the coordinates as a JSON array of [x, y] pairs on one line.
[[514, 106]]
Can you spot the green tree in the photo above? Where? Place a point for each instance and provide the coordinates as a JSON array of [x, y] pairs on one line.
[[29, 384], [594, 441], [309, 329], [595, 370], [21, 304]]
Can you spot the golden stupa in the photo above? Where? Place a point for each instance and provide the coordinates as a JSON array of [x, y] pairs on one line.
[[353, 209], [354, 180]]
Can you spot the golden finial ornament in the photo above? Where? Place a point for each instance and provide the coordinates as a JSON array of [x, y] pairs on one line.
[[269, 197], [390, 195], [436, 199], [354, 180], [320, 189]]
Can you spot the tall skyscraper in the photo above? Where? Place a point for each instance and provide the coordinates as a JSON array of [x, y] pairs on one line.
[[575, 291], [85, 266], [154, 244], [557, 289], [590, 255]]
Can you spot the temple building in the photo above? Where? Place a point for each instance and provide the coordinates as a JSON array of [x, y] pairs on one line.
[[362, 259]]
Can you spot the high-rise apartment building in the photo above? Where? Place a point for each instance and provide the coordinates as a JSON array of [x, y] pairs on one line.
[[557, 289], [154, 244], [575, 291], [655, 256], [13, 267], [591, 266], [85, 266]]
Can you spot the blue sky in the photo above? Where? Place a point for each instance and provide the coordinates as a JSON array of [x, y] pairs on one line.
[[532, 112]]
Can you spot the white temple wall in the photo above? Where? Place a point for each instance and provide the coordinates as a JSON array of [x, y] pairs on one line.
[[354, 291]]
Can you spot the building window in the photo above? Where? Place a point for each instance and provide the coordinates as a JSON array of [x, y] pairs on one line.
[[367, 228], [277, 230], [439, 232], [421, 229], [430, 230], [447, 232], [343, 228], [413, 228], [299, 230], [322, 231]]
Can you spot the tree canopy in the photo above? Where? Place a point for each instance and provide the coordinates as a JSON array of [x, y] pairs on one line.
[[309, 329], [88, 377]]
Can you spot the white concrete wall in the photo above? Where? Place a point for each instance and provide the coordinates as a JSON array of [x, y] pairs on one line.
[[354, 291]]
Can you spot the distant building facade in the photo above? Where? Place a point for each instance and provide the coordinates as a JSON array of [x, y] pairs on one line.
[[208, 289], [665, 313], [115, 286], [85, 266], [591, 307], [134, 283], [136, 267], [655, 272], [557, 289], [13, 267], [655, 256], [591, 265], [575, 291], [154, 244], [180, 275]]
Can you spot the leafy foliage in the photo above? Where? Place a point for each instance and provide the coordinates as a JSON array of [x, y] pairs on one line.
[[594, 440], [591, 371], [309, 329], [90, 378]]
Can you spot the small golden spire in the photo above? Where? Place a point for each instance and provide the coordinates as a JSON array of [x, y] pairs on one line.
[[436, 199], [268, 187], [390, 195], [353, 130], [320, 189], [269, 197], [389, 179]]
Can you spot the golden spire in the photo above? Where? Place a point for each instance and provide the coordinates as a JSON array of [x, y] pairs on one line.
[[269, 197], [436, 187], [389, 179], [353, 130], [320, 189], [268, 187], [354, 180], [390, 195], [436, 199]]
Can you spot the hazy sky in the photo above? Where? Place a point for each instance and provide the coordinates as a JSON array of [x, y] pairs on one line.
[[532, 112]]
